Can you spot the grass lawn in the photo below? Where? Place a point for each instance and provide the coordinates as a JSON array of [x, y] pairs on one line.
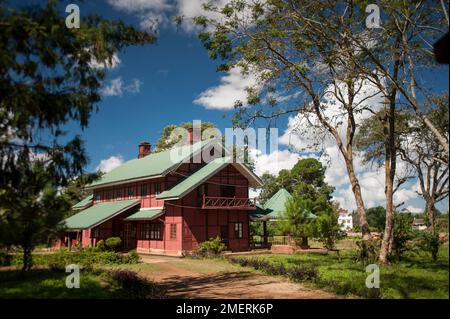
[[43, 283], [413, 277]]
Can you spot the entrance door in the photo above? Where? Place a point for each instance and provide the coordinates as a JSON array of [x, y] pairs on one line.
[[224, 234], [129, 236]]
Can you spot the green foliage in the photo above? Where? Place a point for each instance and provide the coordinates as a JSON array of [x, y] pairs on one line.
[[47, 81], [101, 246], [368, 251], [327, 229], [113, 243], [403, 234], [306, 178], [86, 258], [165, 142], [429, 243], [295, 220], [376, 217], [211, 247]]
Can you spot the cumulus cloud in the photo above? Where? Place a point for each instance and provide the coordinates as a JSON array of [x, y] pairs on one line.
[[110, 163], [115, 62], [159, 13], [117, 87], [232, 88]]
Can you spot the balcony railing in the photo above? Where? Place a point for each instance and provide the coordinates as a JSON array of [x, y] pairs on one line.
[[210, 202]]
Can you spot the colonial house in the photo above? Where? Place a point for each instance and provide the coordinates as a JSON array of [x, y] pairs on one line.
[[166, 204]]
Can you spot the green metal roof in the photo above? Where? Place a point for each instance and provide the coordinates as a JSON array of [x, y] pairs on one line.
[[155, 164], [195, 179], [146, 214], [98, 213], [87, 201], [275, 206], [277, 203]]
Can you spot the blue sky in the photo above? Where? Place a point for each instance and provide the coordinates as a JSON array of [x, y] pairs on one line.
[[156, 85]]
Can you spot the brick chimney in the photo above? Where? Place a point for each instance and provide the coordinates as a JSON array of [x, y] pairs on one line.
[[190, 136], [144, 149]]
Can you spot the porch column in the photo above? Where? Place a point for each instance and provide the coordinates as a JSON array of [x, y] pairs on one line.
[[265, 233]]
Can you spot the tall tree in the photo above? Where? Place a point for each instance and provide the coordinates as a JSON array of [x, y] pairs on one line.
[[50, 75], [303, 50], [416, 146]]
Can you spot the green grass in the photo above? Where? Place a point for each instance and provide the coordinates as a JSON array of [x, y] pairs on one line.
[[43, 283], [416, 276]]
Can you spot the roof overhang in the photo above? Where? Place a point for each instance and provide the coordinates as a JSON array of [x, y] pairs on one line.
[[146, 214]]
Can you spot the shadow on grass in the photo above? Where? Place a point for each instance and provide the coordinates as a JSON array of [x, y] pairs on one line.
[[42, 283]]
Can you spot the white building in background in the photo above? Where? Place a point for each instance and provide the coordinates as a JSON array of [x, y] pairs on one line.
[[345, 219]]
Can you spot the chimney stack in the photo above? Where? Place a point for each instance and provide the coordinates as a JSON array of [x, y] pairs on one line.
[[190, 136], [144, 149]]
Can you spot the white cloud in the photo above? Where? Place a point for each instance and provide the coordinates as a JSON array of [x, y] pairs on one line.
[[274, 162], [140, 5], [232, 88], [109, 164], [117, 87], [114, 88], [115, 62]]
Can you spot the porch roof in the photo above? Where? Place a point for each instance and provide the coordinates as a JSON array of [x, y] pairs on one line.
[[274, 207], [146, 214], [87, 201], [204, 173], [98, 214], [195, 179]]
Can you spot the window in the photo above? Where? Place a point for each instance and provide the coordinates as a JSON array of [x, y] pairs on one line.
[[97, 196], [152, 231], [130, 192], [227, 191], [173, 231], [144, 190], [157, 188], [95, 233], [238, 230], [118, 193], [108, 195], [155, 231]]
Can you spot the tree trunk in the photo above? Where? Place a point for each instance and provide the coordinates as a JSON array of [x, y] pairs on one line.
[[390, 164], [356, 188], [27, 259], [430, 213]]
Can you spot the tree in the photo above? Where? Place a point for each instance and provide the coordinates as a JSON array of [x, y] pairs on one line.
[[49, 76], [32, 211], [165, 142], [76, 190], [306, 178], [295, 220], [327, 230], [417, 147], [303, 50], [376, 216]]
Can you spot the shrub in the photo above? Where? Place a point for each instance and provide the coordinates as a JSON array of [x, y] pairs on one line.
[[403, 234], [5, 259], [136, 286], [101, 246], [296, 273], [429, 243], [327, 230], [368, 250], [113, 243], [211, 247], [302, 273]]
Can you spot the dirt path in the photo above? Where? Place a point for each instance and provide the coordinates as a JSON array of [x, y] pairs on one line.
[[189, 278]]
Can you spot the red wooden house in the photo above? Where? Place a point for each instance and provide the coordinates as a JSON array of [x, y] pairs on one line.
[[156, 204]]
